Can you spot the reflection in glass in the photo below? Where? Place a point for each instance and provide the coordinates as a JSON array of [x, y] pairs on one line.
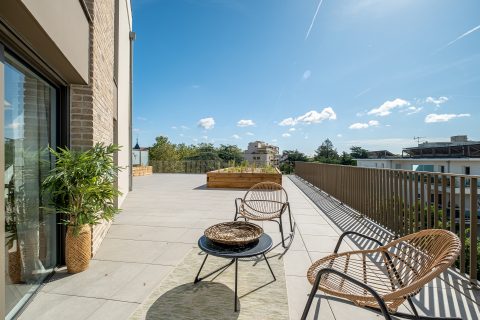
[[30, 233]]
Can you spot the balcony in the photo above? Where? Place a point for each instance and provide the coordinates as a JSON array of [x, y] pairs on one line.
[[145, 265]]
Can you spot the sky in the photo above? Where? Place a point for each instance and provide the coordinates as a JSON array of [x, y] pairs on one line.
[[369, 73]]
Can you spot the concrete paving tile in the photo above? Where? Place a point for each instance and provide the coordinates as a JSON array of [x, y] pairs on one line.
[[174, 253], [101, 280], [129, 232], [298, 290], [296, 263], [317, 229], [46, 306], [130, 250], [113, 310], [140, 287]]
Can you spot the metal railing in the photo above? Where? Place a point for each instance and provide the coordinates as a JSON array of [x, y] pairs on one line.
[[187, 166], [407, 201]]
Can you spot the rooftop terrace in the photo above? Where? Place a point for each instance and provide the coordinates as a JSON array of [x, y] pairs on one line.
[[150, 257]]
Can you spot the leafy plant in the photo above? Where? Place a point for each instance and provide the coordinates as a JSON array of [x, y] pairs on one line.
[[81, 185]]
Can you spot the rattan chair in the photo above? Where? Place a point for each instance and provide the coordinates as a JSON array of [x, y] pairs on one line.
[[383, 278], [265, 201]]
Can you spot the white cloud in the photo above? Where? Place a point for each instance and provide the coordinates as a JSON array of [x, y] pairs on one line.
[[206, 123], [436, 101], [286, 135], [307, 74], [245, 123], [236, 136], [181, 135], [306, 136], [174, 128], [310, 117], [136, 130], [142, 118], [195, 139], [362, 125], [386, 108], [274, 140], [433, 117], [358, 125], [412, 110], [184, 127], [205, 137], [287, 122], [292, 129], [339, 135], [249, 133]]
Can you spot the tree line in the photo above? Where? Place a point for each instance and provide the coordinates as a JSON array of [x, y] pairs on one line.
[[325, 153], [164, 150]]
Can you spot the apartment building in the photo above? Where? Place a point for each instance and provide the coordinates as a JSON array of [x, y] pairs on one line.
[[262, 154], [459, 155], [65, 80]]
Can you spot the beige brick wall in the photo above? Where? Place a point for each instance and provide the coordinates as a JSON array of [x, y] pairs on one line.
[[92, 106]]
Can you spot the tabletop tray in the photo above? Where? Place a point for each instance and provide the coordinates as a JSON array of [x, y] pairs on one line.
[[234, 233]]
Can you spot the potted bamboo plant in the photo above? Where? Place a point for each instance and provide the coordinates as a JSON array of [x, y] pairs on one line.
[[82, 189]]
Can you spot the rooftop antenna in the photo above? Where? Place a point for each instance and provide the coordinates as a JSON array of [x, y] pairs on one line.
[[418, 139]]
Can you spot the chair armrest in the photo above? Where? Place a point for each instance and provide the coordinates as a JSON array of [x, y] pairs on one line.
[[357, 234]]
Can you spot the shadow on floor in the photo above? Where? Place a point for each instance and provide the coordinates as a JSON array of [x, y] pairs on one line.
[[452, 296], [204, 300], [204, 187]]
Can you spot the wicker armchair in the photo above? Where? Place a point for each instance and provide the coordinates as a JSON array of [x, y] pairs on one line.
[[265, 201], [383, 278]]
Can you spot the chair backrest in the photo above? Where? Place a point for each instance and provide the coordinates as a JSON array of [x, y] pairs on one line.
[[418, 258], [265, 197]]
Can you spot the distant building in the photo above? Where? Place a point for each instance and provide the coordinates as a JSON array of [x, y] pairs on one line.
[[139, 155], [380, 154], [262, 154], [459, 156]]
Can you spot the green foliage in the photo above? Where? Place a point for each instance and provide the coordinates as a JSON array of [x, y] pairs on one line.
[[289, 157], [347, 159], [230, 153], [326, 153], [358, 152], [164, 150], [81, 185]]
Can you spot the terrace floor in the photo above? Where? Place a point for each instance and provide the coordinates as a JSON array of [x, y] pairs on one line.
[[161, 222]]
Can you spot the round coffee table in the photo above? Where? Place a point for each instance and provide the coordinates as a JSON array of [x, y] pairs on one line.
[[259, 247]]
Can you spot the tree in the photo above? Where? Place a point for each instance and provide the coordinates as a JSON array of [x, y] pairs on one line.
[[288, 160], [163, 150], [358, 152], [205, 151], [230, 153], [347, 160], [326, 152]]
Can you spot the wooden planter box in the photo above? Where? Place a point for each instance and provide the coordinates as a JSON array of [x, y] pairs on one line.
[[240, 180], [142, 171]]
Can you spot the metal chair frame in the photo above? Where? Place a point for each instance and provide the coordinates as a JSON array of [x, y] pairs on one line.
[[242, 206], [378, 298]]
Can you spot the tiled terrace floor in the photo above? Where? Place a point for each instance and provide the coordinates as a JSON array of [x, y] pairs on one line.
[[161, 222]]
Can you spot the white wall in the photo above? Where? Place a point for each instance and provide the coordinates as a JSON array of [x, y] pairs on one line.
[[451, 165], [125, 26]]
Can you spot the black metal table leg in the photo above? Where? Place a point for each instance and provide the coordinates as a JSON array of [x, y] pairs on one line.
[[236, 279], [268, 264], [198, 279]]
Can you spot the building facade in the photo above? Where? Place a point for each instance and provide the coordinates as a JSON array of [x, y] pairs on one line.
[[65, 80], [262, 154]]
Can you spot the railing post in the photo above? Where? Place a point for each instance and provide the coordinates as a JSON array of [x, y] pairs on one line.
[[473, 230]]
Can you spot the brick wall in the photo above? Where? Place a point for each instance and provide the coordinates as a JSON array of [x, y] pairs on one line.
[[92, 106]]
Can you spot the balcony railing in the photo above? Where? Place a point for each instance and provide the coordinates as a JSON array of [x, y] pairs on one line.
[[187, 166], [407, 201]]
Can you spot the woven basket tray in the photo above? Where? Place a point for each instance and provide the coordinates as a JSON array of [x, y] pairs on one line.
[[234, 233]]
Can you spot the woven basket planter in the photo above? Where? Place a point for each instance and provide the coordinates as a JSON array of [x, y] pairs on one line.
[[15, 265], [78, 249]]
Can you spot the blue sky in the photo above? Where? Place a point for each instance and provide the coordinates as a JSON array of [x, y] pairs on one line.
[[372, 73]]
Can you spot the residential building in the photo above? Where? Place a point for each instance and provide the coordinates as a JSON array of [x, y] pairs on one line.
[[139, 155], [459, 156], [262, 154], [65, 80]]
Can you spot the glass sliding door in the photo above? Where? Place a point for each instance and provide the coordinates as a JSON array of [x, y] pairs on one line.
[[29, 118]]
